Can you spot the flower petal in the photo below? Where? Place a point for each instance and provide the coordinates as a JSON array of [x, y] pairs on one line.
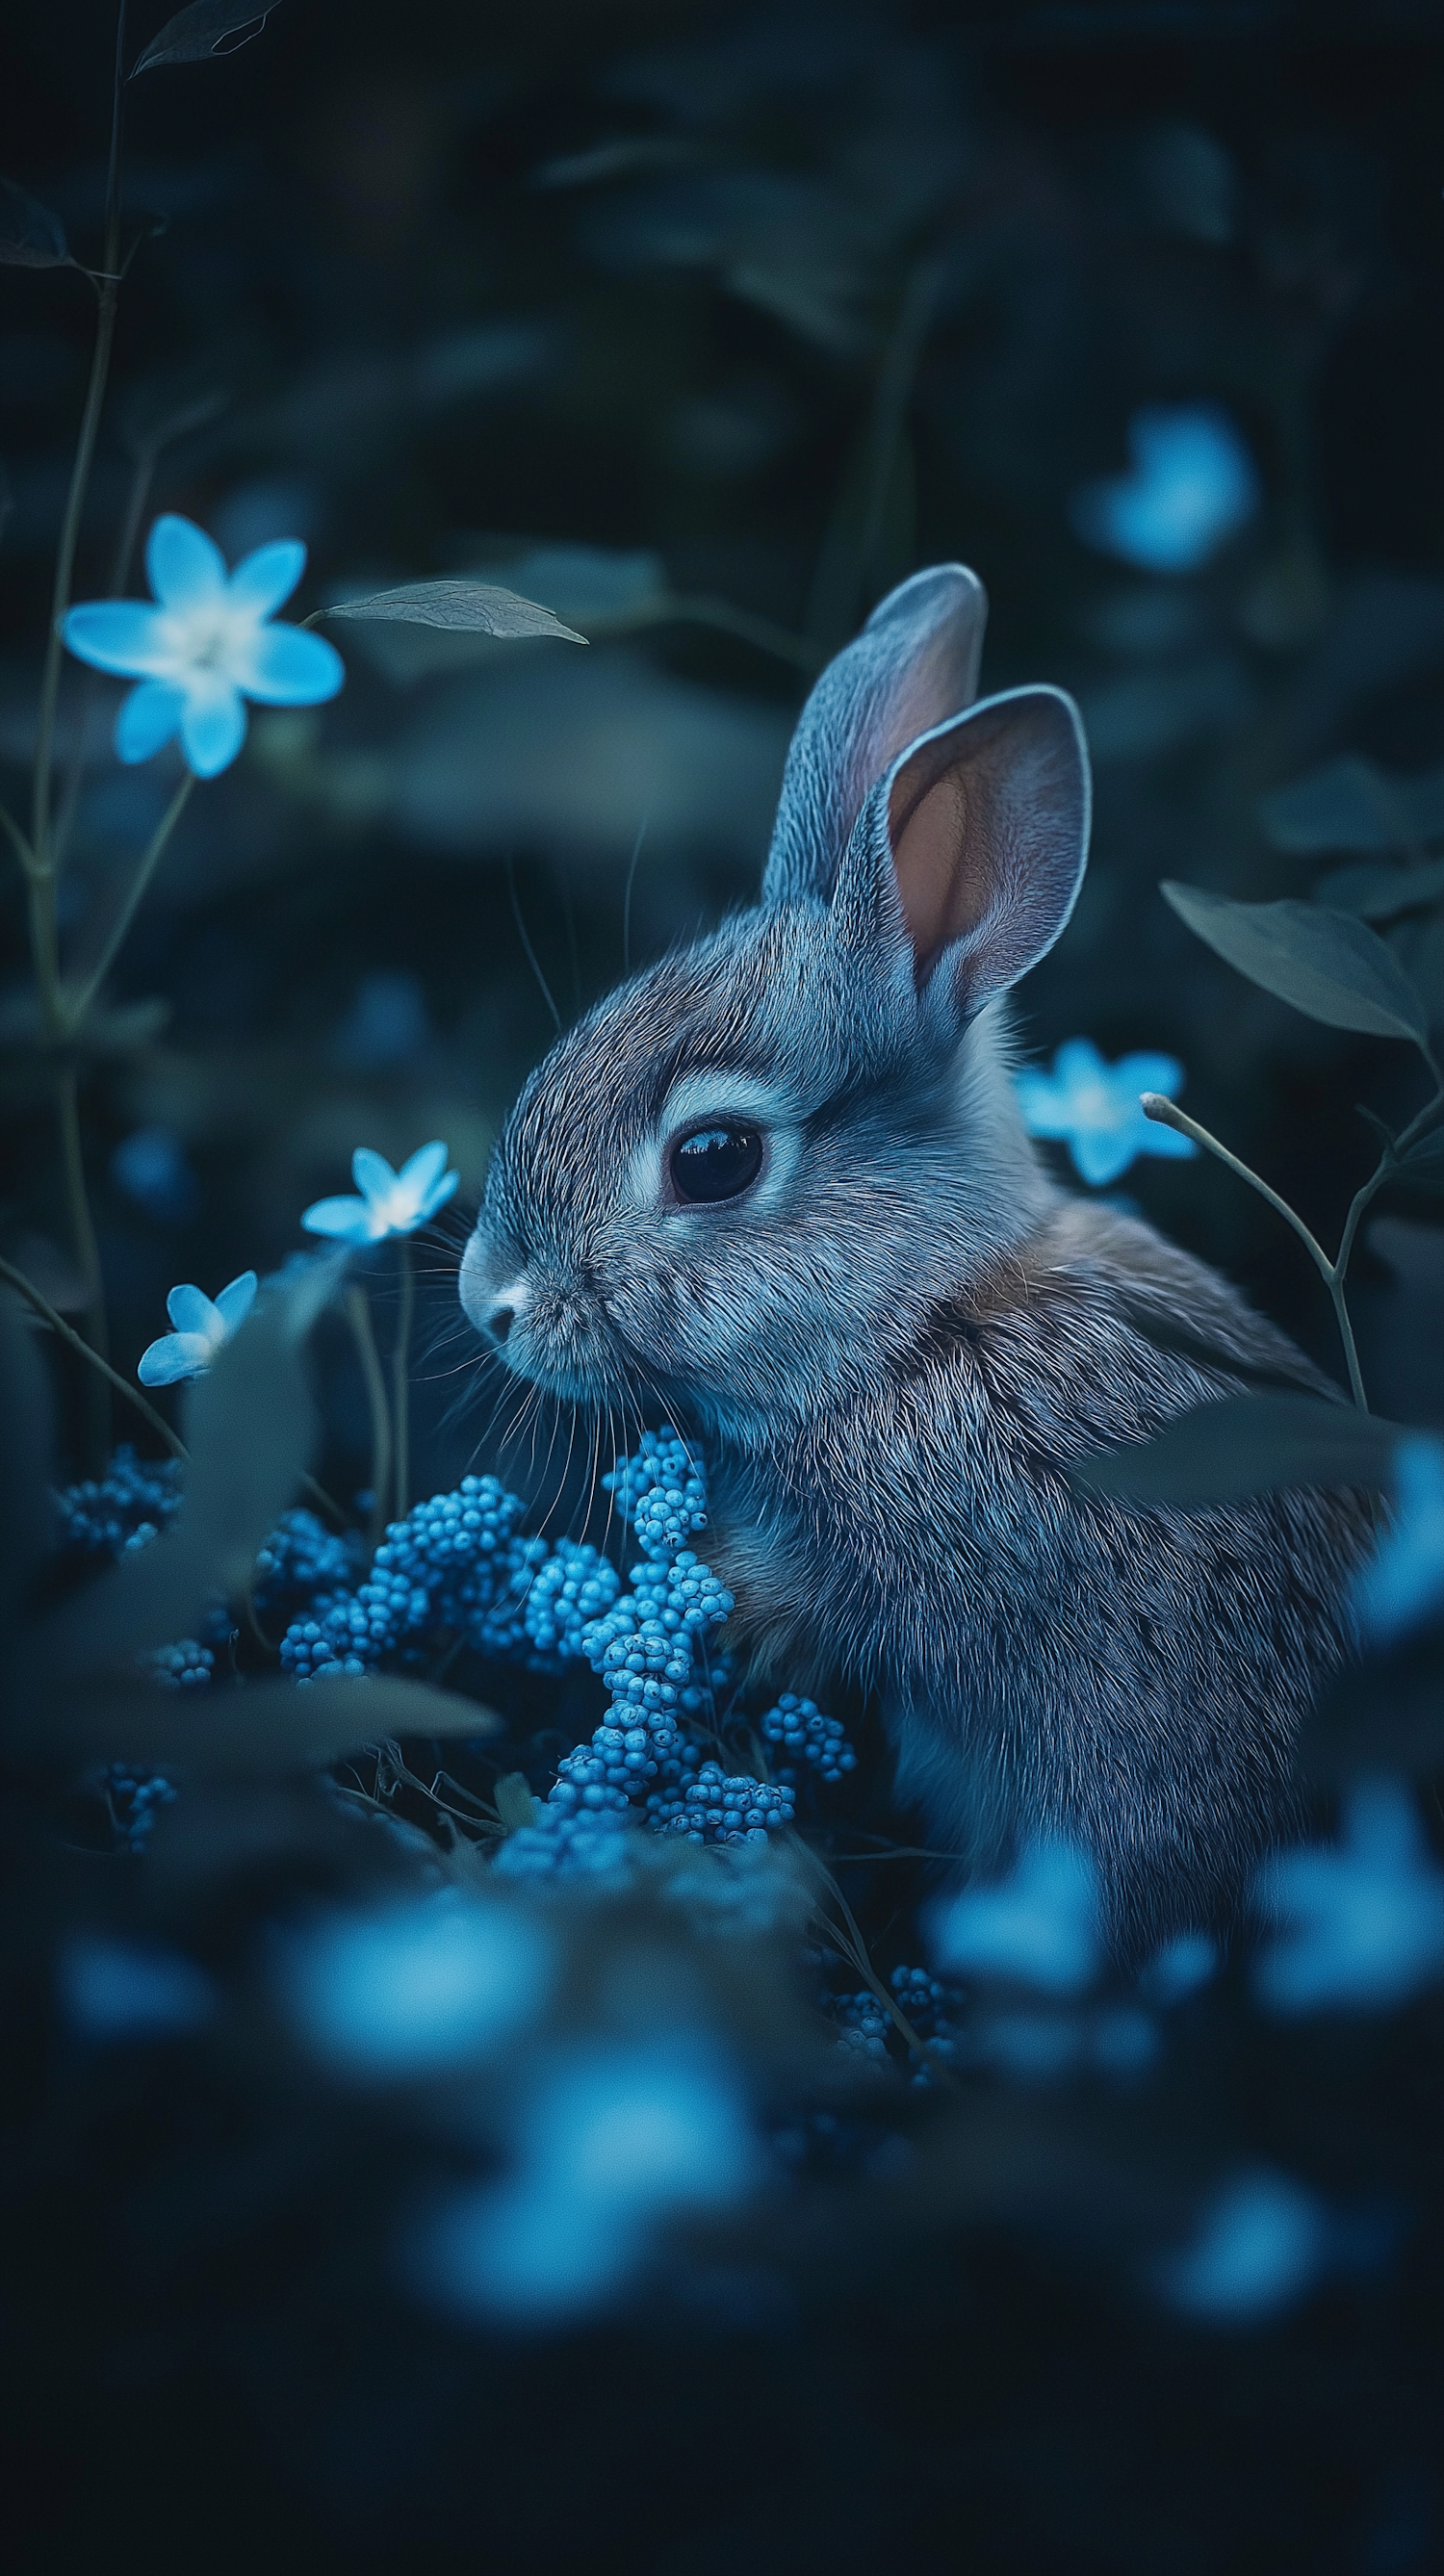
[[123, 635], [420, 1169], [437, 1197], [265, 578], [174, 1356], [186, 568], [213, 722], [348, 1219], [1101, 1157], [191, 1311], [147, 719], [1165, 1140], [1148, 1072], [281, 666], [233, 1304], [372, 1174]]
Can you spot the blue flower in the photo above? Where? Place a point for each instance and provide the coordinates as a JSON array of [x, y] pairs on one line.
[[207, 646], [1192, 484], [1404, 1584], [202, 1324], [1039, 1926], [1363, 1927], [1094, 1106], [1262, 2242], [613, 2141], [390, 1202]]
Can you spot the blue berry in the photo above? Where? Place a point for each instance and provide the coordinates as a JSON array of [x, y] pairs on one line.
[[661, 1491], [135, 1797], [183, 1666], [126, 1506], [799, 1726]]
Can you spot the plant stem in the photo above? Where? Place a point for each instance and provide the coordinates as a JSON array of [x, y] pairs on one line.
[[76, 1012], [108, 295], [58, 1324], [359, 1316], [1166, 1113], [401, 1377]]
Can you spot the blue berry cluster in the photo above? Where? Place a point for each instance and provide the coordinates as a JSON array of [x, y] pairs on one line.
[[303, 1564], [639, 1765], [123, 1508], [443, 1566], [182, 1666], [862, 2027], [135, 1797], [799, 1726], [660, 1490]]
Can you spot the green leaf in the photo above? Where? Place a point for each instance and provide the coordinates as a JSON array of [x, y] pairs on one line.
[[1245, 1445], [262, 1729], [1381, 893], [514, 1801], [1327, 964], [462, 607], [199, 34], [30, 236]]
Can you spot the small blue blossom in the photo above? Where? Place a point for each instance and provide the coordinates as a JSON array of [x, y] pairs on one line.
[[1363, 1927], [1095, 1107], [611, 2142], [416, 1990], [208, 644], [203, 1324], [1261, 2243], [1039, 1926], [389, 1202], [1193, 484], [1403, 1585]]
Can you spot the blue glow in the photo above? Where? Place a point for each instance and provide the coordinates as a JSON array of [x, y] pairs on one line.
[[1261, 2244], [1038, 1926], [133, 1990], [1362, 1927], [1403, 1586], [416, 1990], [1192, 484]]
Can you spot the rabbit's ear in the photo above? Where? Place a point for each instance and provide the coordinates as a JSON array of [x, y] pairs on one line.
[[973, 845], [914, 665]]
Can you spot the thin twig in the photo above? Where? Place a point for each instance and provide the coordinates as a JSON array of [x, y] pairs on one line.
[[401, 1377], [77, 1341], [358, 1315], [1166, 1113], [75, 1014]]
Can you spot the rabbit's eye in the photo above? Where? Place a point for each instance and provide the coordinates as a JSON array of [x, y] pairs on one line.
[[716, 1162]]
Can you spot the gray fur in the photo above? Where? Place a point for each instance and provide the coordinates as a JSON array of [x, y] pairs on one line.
[[893, 1346]]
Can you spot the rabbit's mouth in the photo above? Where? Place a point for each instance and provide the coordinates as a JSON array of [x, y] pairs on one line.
[[555, 1334]]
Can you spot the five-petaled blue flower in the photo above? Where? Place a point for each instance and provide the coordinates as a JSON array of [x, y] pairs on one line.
[[208, 645], [202, 1324], [1192, 485], [1403, 1585], [1094, 1107], [390, 1202]]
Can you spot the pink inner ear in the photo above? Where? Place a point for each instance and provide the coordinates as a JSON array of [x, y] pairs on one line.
[[943, 887]]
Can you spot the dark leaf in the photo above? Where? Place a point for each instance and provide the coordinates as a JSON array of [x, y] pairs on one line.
[[1352, 804], [1423, 1165], [261, 1729], [1325, 963], [30, 236], [1388, 1714], [626, 157], [198, 34], [1248, 1444], [1380, 892], [514, 1801], [462, 606]]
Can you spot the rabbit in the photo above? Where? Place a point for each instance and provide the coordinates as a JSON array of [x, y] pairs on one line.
[[778, 1185]]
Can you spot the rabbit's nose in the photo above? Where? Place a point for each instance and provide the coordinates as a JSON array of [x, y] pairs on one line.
[[499, 1322]]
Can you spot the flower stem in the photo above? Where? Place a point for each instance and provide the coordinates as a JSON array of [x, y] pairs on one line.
[[401, 1377], [359, 1316], [1166, 1113], [67, 1332], [77, 1011]]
